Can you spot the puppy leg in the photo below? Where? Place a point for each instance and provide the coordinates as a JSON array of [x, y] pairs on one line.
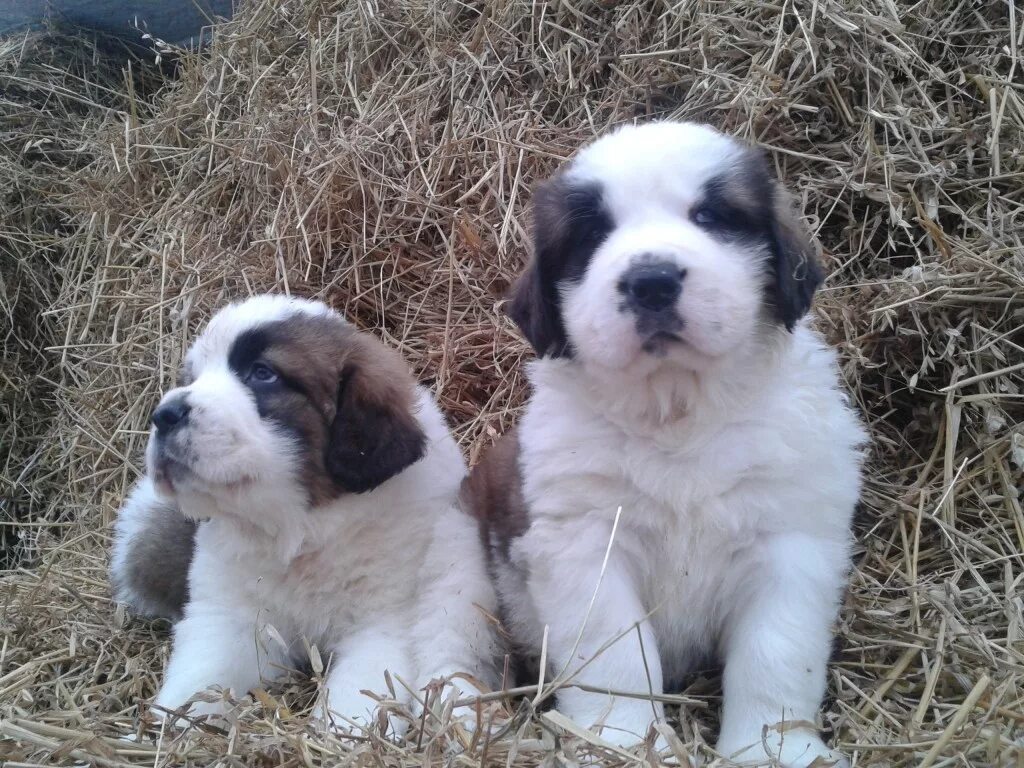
[[358, 664], [562, 587], [214, 647], [452, 634], [776, 648]]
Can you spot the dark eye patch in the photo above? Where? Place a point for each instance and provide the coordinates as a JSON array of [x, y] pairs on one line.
[[588, 225], [246, 350], [267, 382], [734, 207], [570, 222]]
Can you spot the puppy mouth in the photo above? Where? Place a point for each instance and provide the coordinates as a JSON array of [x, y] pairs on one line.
[[173, 474], [169, 473], [659, 342]]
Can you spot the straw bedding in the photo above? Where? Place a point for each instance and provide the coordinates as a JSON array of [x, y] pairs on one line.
[[381, 156]]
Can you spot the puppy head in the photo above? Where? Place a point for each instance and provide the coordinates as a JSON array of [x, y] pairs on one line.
[[284, 393], [667, 242]]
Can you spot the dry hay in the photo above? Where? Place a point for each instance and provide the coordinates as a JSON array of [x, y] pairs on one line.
[[380, 155], [56, 88]]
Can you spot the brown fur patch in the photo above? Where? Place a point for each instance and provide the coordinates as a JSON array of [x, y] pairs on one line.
[[493, 493], [347, 398], [157, 563], [797, 270]]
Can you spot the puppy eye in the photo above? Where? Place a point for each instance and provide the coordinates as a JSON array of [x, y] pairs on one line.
[[262, 374], [706, 217]]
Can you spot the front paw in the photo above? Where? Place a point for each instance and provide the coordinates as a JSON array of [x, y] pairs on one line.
[[794, 748], [174, 712], [354, 715], [625, 725], [456, 698]]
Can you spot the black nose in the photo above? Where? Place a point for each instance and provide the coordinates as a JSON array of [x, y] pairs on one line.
[[171, 415], [654, 287]]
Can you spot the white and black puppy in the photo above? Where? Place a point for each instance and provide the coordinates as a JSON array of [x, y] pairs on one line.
[[678, 383], [326, 484]]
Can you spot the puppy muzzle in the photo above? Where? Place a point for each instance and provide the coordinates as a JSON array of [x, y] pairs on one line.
[[168, 448], [650, 289]]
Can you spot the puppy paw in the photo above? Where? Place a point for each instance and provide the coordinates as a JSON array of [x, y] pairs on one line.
[[212, 707], [624, 732], [796, 748], [355, 716]]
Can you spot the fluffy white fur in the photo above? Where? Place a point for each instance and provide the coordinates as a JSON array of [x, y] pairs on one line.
[[392, 580], [732, 454]]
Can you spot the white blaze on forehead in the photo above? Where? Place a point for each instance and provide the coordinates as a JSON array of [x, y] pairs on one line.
[[662, 165], [224, 327]]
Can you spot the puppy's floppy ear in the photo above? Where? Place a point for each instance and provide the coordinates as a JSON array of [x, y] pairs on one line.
[[534, 303], [797, 273], [536, 314], [374, 434]]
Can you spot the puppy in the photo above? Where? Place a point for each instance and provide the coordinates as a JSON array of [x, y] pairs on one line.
[[325, 482], [681, 403]]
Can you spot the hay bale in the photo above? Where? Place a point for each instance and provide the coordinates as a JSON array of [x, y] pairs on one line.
[[55, 89], [380, 156]]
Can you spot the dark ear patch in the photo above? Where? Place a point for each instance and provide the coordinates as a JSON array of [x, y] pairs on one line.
[[797, 273], [346, 400], [536, 312], [569, 223], [374, 434]]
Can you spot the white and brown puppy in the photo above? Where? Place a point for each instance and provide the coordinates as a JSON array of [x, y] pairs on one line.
[[326, 484], [678, 383]]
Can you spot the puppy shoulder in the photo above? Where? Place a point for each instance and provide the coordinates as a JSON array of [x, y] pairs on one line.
[[816, 373], [428, 413], [432, 480]]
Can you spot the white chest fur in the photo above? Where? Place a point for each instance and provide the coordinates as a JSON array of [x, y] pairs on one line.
[[699, 497], [389, 581], [335, 573]]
